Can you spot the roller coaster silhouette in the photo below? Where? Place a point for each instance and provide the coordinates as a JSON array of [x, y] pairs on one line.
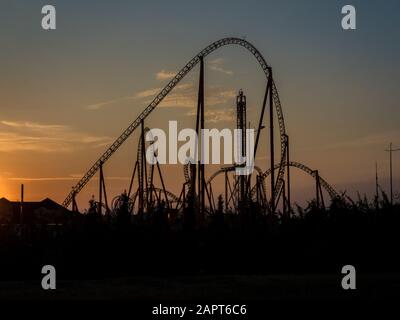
[[248, 229], [200, 195]]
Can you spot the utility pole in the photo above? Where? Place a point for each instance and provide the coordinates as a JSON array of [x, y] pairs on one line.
[[391, 171], [376, 181]]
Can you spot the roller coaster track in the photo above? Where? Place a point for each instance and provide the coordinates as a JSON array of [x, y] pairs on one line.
[[166, 90], [331, 191], [229, 169]]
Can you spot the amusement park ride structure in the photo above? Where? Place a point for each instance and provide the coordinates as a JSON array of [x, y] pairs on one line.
[[197, 193]]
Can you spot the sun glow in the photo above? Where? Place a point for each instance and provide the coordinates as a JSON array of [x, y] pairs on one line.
[[4, 189]]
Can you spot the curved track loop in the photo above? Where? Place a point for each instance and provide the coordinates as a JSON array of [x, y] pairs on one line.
[[331, 191], [229, 169], [167, 89]]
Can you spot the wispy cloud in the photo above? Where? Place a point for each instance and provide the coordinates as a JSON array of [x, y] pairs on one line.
[[185, 96], [66, 178], [182, 96], [161, 75], [214, 116], [219, 96], [141, 94], [164, 75], [217, 65], [148, 93], [32, 125], [100, 105], [42, 179], [32, 136]]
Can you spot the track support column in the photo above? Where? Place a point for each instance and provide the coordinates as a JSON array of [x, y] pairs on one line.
[[271, 133], [199, 131], [100, 189], [288, 174]]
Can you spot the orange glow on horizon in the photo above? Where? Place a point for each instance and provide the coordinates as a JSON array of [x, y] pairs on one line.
[[4, 192]]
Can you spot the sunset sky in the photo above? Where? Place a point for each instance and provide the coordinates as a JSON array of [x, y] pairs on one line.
[[65, 95]]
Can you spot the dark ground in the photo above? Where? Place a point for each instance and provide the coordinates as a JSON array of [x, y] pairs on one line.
[[254, 258], [213, 288]]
